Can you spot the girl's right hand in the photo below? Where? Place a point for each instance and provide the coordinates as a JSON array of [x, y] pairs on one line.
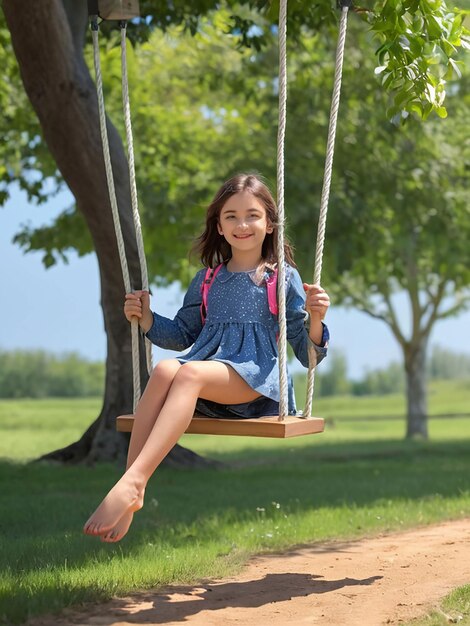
[[137, 304]]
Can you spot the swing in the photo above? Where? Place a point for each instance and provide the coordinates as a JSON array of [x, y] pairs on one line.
[[282, 426]]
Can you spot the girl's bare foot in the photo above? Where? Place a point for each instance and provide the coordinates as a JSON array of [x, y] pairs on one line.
[[121, 528], [127, 496]]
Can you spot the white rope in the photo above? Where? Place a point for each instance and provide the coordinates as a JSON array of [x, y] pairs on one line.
[[134, 200], [281, 291], [326, 192], [115, 210]]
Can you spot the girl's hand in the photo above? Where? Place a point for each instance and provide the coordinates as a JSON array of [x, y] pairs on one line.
[[137, 304], [317, 301]]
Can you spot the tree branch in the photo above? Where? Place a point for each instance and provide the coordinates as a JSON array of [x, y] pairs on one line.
[[393, 319], [435, 302], [389, 319], [453, 310]]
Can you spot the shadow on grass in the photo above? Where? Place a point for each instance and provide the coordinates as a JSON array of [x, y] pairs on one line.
[[344, 452], [44, 507]]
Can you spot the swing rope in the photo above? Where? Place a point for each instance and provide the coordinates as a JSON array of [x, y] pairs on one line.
[[325, 196], [134, 200], [321, 232], [113, 200], [114, 208], [281, 134]]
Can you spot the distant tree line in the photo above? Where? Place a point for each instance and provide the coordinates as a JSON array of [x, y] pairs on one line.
[[333, 380], [41, 374]]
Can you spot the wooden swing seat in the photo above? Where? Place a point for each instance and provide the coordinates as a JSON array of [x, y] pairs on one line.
[[114, 9], [257, 427]]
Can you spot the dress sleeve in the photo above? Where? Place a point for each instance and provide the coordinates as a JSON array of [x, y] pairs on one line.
[[298, 322], [182, 331]]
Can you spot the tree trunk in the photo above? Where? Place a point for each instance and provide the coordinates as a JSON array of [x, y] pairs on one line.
[[416, 393], [48, 39]]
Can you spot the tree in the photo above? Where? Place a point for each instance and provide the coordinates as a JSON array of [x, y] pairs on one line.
[[48, 41], [60, 88]]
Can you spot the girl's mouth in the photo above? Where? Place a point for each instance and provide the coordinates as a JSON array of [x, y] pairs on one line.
[[242, 236]]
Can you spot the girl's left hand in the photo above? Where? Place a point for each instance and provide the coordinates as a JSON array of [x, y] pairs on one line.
[[317, 300]]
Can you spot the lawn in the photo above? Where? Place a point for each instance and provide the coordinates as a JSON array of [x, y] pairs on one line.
[[358, 478]]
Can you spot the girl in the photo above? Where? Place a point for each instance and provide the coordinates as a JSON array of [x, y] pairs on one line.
[[231, 369]]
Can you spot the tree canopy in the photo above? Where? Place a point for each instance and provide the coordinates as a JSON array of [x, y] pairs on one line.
[[416, 44], [204, 95], [204, 105]]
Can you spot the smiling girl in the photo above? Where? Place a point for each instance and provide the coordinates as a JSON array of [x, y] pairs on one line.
[[232, 367]]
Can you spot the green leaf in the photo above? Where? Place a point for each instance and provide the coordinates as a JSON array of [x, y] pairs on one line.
[[455, 67], [404, 96], [434, 26]]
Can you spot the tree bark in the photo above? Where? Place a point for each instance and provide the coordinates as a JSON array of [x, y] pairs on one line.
[[416, 393], [48, 39]]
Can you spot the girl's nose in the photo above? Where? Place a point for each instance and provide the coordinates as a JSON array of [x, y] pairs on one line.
[[242, 225]]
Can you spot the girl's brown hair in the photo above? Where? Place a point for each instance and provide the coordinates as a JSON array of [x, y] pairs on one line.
[[214, 249]]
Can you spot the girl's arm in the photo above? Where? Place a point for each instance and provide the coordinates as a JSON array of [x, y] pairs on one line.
[[306, 331], [173, 334]]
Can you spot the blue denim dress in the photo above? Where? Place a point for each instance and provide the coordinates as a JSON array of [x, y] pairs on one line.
[[241, 331]]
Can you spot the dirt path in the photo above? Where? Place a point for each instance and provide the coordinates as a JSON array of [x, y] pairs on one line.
[[385, 580]]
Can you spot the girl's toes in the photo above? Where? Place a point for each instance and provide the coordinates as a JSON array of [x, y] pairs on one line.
[[110, 537], [94, 529]]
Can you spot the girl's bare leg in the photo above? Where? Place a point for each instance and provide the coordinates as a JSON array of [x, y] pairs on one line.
[[147, 411], [150, 405], [210, 380]]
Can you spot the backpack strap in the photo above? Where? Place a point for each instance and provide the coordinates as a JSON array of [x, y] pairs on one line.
[[211, 273], [271, 287], [209, 278]]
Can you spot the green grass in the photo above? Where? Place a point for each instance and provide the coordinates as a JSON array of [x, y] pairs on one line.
[[358, 478], [30, 428], [455, 609], [444, 397]]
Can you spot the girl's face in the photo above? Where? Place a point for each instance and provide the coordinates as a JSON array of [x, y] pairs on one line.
[[243, 222]]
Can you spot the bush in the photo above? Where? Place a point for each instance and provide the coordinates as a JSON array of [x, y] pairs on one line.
[[379, 382], [445, 365], [39, 374]]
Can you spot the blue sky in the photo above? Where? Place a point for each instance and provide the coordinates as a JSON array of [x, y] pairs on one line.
[[59, 309]]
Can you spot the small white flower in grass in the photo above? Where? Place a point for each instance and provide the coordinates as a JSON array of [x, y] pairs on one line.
[[269, 535], [276, 505], [260, 509], [154, 502]]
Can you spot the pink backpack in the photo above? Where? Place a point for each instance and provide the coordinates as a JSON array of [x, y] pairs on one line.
[[211, 273]]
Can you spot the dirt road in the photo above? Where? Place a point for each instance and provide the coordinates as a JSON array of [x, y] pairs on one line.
[[384, 580]]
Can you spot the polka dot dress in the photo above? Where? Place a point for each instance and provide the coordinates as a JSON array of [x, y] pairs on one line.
[[241, 331]]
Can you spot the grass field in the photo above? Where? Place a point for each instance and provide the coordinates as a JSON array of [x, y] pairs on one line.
[[358, 478]]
